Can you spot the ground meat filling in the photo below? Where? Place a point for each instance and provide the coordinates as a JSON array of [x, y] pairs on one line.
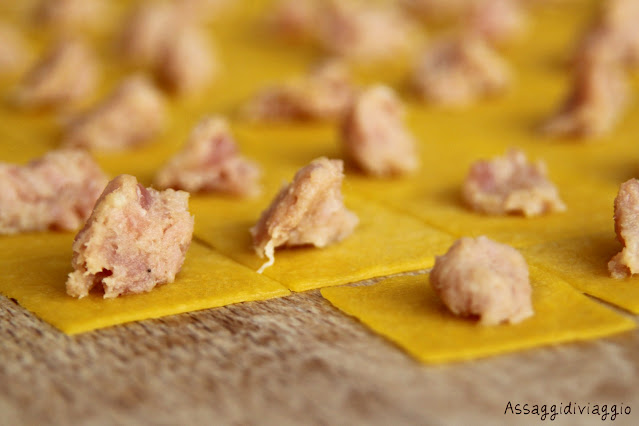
[[294, 19], [626, 262], [437, 10], [135, 239], [67, 73], [498, 21], [186, 62], [325, 93], [210, 162], [456, 72], [374, 136], [164, 37], [68, 14], [362, 32], [131, 116], [614, 37], [57, 191], [205, 11], [480, 277], [146, 30], [309, 211], [595, 104], [510, 184], [13, 49]]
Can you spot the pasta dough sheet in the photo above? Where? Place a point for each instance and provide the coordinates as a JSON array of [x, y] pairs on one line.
[[439, 203], [583, 262], [34, 268], [383, 243], [405, 310]]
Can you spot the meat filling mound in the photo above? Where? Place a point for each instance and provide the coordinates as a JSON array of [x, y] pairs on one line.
[[294, 19], [438, 11], [308, 211], [363, 32], [14, 51], [498, 21], [132, 115], [458, 71], [595, 104], [56, 191], [66, 74], [626, 262], [135, 239], [69, 14], [482, 278], [166, 39], [614, 35], [510, 184], [374, 136], [210, 162], [325, 93]]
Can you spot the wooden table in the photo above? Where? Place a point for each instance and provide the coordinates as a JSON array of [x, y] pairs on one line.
[[295, 360]]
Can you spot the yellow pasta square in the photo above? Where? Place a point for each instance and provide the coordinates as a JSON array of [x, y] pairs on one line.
[[405, 310], [34, 269], [383, 243], [583, 262], [435, 197]]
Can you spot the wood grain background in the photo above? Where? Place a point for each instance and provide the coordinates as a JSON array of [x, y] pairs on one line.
[[294, 360]]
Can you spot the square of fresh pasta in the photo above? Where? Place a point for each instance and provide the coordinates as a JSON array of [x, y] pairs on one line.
[[384, 242], [439, 202], [406, 311], [34, 267], [583, 263]]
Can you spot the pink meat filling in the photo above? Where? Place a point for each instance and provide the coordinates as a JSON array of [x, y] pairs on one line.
[[65, 74], [614, 36], [57, 191], [374, 136], [510, 184], [145, 31], [13, 49], [68, 14], [186, 62], [135, 239], [309, 211], [483, 278], [456, 72], [205, 11], [294, 19], [626, 262], [437, 10], [497, 21], [210, 162], [130, 117], [165, 38], [325, 93], [595, 104], [362, 32]]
